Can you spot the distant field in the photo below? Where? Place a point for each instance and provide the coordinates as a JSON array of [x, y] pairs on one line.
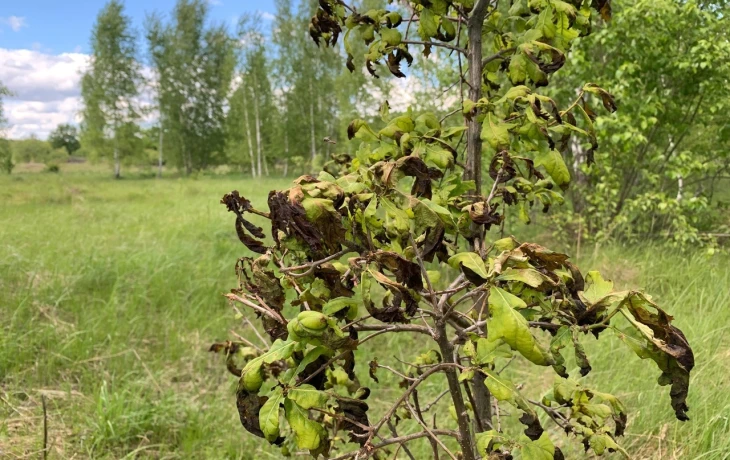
[[110, 294]]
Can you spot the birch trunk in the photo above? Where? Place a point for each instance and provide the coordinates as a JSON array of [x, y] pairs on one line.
[[117, 164], [248, 133], [311, 123], [258, 125], [159, 159]]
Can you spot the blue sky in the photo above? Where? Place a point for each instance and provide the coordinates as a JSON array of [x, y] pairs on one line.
[[44, 47], [58, 26]]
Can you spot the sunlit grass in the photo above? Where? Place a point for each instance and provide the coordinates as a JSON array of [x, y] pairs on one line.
[[110, 294]]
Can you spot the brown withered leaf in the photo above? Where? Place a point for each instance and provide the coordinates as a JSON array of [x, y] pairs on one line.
[[502, 166], [543, 257], [373, 366], [230, 349], [251, 243], [354, 411], [239, 205], [667, 346], [324, 27], [333, 281], [291, 218], [480, 214], [414, 166], [406, 272], [256, 278], [249, 406], [533, 428], [319, 380]]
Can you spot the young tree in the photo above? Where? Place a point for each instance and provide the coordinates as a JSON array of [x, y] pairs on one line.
[[65, 136], [404, 230], [110, 86]]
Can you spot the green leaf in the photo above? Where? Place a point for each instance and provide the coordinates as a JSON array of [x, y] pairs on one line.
[[545, 23], [279, 350], [598, 288], [529, 276], [518, 69], [390, 37], [541, 449], [555, 166], [269, 415], [507, 322], [307, 396], [428, 24], [471, 261], [311, 356], [396, 218], [483, 440], [496, 132], [438, 156], [501, 388], [308, 433]]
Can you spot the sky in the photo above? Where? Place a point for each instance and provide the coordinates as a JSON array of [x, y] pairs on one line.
[[44, 47]]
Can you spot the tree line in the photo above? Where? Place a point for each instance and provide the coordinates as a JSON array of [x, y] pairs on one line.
[[251, 98]]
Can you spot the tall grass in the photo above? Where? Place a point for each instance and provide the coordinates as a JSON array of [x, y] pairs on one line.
[[110, 293]]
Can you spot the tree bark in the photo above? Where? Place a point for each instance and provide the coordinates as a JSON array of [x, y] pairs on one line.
[[473, 170], [258, 125], [447, 355], [117, 164], [311, 123], [248, 132], [159, 149]]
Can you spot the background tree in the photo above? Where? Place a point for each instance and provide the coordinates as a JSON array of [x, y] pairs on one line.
[[6, 154], [251, 120], [65, 136], [195, 64], [671, 87], [406, 229], [111, 85]]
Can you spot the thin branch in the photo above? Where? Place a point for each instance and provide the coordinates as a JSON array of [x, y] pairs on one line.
[[258, 308], [312, 265], [496, 56], [399, 440], [438, 44], [430, 433]]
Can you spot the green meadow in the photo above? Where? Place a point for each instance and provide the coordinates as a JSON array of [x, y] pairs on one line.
[[111, 293]]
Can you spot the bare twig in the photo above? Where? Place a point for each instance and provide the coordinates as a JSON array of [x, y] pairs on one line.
[[258, 308], [431, 434]]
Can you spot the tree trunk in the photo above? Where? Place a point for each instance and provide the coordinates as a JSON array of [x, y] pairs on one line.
[[311, 123], [117, 164], [159, 148], [286, 152], [473, 171], [258, 125], [248, 133], [447, 353]]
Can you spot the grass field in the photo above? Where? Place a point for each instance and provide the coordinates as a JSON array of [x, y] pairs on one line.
[[110, 294]]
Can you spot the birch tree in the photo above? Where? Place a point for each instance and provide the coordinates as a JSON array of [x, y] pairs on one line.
[[111, 85]]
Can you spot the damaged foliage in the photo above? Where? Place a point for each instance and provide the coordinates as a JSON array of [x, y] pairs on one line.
[[397, 236]]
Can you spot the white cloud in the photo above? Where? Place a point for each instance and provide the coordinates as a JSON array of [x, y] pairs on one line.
[[267, 16], [14, 22], [46, 90]]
